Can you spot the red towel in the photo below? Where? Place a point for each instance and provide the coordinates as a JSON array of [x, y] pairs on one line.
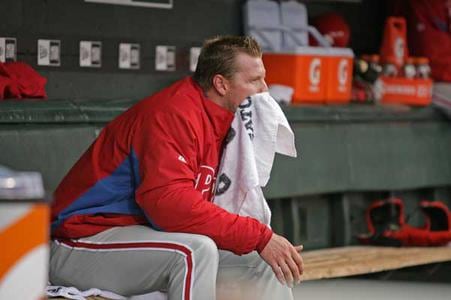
[[4, 84], [19, 80]]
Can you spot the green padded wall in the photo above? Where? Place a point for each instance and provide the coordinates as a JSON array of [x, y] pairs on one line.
[[353, 148], [51, 150], [363, 157]]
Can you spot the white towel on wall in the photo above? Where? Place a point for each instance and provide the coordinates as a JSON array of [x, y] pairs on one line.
[[259, 130]]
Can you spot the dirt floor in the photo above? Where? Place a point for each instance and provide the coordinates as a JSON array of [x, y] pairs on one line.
[[364, 289]]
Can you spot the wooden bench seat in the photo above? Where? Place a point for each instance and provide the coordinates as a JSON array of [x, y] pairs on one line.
[[356, 260]]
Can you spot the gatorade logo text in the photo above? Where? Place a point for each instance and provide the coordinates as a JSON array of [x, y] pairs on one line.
[[343, 67], [205, 180], [314, 74], [423, 91], [399, 49]]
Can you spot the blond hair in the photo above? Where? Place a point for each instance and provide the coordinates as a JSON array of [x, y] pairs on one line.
[[218, 57]]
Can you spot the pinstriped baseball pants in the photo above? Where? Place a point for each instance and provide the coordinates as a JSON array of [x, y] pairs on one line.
[[134, 260]]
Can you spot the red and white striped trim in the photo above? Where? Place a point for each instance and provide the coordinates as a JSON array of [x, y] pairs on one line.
[[184, 250]]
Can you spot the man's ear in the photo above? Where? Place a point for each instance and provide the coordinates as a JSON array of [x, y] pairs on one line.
[[220, 84]]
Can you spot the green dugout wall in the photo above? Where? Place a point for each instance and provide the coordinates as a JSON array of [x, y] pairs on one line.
[[348, 156]]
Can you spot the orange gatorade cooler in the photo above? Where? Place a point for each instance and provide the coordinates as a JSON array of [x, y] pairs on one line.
[[303, 70], [24, 223], [339, 75], [394, 41]]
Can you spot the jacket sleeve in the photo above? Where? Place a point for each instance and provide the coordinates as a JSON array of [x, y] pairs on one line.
[[167, 151]]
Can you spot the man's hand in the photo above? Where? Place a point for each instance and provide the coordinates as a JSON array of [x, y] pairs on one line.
[[284, 259]]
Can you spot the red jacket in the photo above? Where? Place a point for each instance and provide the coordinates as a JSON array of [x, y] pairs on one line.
[[156, 164]]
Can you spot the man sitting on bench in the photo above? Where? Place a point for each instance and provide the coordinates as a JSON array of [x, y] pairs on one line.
[[134, 214]]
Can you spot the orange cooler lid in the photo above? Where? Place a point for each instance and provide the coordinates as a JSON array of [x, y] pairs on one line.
[[343, 52], [304, 50]]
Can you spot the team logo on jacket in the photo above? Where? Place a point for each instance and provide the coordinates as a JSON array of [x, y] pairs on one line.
[[205, 180], [223, 185], [182, 159]]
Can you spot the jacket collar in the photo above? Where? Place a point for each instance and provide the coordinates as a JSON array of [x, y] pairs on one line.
[[220, 117]]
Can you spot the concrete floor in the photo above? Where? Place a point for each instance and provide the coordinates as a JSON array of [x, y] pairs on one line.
[[365, 289]]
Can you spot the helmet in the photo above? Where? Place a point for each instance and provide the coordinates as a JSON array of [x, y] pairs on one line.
[[334, 28]]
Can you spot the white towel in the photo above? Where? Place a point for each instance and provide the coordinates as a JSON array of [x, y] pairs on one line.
[[76, 294], [283, 94], [259, 130]]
